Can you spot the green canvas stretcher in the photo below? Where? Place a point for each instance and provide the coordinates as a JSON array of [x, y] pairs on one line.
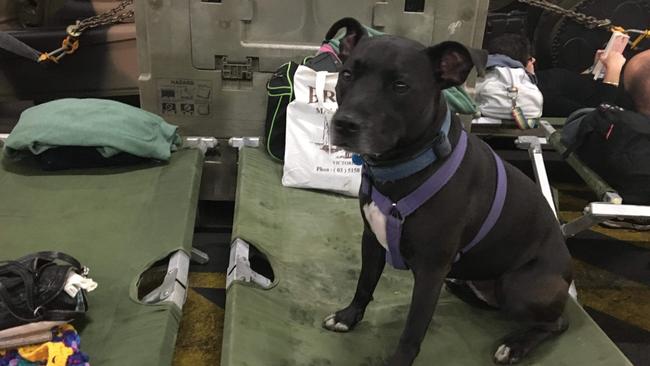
[[118, 222], [312, 241]]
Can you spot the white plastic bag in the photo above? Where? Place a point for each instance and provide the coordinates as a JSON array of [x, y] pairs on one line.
[[310, 160]]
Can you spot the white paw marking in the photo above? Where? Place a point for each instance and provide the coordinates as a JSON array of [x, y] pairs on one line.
[[377, 222], [502, 354], [331, 324]]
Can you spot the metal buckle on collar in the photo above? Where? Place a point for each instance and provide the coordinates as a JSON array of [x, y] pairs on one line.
[[394, 211]]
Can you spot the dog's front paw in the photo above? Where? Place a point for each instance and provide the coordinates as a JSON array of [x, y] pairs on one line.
[[332, 323], [343, 320], [507, 355]]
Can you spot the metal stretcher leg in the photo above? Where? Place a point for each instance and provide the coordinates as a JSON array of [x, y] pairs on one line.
[[534, 146], [239, 267], [199, 256], [597, 212], [173, 288]]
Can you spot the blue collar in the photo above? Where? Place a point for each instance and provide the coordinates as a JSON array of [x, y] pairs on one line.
[[441, 147]]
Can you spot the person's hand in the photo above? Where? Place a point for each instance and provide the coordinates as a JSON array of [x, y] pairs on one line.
[[613, 60], [613, 63]]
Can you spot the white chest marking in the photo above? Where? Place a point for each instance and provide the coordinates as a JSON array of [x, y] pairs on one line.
[[377, 222]]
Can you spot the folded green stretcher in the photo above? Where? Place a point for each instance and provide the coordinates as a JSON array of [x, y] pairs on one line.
[[118, 222], [312, 241]]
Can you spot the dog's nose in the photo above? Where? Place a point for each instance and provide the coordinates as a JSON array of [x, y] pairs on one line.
[[345, 125]]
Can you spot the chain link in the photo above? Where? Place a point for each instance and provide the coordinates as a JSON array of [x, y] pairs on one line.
[[580, 18], [119, 14]]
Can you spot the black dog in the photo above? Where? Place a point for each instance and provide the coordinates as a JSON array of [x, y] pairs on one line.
[[391, 112]]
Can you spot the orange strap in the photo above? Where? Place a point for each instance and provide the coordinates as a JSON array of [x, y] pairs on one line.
[[640, 38]]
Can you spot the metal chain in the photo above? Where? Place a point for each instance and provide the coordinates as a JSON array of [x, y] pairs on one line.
[[580, 18], [119, 14]]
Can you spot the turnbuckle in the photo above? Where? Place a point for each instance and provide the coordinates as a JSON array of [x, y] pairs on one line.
[[68, 46], [642, 34]]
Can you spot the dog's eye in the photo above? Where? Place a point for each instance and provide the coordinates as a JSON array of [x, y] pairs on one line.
[[400, 87], [346, 75]]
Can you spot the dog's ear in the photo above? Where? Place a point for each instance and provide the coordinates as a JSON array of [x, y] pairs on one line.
[[452, 62], [354, 31]]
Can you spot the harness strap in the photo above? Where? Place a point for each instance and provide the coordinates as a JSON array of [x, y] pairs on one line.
[[495, 210], [396, 212]]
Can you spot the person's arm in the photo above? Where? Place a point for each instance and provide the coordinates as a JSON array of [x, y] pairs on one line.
[[607, 90], [613, 62]]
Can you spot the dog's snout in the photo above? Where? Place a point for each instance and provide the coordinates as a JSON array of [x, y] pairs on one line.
[[345, 125]]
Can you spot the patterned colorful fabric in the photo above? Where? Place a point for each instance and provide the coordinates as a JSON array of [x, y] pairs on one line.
[[62, 350]]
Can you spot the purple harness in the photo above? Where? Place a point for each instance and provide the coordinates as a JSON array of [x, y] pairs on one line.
[[397, 212]]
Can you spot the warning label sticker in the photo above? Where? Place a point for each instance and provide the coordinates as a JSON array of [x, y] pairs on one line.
[[185, 97]]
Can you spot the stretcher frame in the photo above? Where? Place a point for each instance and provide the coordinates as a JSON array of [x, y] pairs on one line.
[[302, 290], [173, 288], [610, 204]]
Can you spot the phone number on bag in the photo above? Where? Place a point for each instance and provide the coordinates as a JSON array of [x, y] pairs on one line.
[[339, 170]]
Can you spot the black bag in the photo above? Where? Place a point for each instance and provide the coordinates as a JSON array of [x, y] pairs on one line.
[[280, 92], [32, 289], [615, 143]]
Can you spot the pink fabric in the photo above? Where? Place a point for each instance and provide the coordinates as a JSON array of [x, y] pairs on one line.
[[327, 48]]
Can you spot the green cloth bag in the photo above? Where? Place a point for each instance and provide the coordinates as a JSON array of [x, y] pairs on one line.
[[336, 41], [459, 101], [112, 127]]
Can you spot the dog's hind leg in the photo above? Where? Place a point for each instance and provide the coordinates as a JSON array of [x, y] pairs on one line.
[[373, 261], [537, 299], [518, 344]]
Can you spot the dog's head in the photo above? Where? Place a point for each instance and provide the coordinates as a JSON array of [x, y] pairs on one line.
[[389, 89]]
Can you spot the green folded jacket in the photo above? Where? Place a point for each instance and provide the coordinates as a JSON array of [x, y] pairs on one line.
[[112, 127]]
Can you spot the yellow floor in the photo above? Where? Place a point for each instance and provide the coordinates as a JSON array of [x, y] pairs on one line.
[[201, 329]]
